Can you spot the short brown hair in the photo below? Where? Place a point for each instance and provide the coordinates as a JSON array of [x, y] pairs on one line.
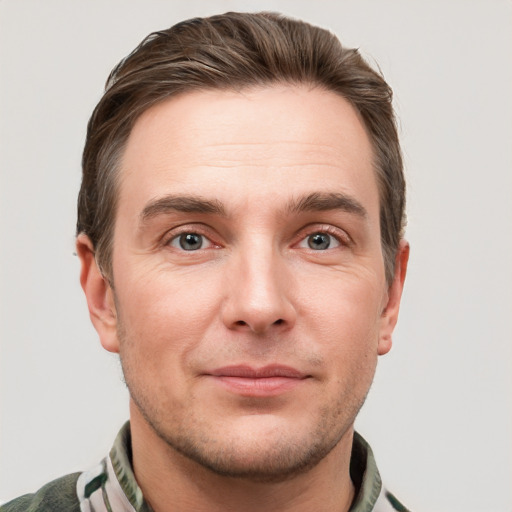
[[234, 51]]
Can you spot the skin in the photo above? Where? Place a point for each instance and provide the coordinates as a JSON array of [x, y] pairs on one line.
[[278, 185]]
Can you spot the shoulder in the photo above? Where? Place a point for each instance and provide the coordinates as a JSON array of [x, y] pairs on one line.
[[58, 495]]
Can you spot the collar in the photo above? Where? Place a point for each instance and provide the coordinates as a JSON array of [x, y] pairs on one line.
[[111, 486]]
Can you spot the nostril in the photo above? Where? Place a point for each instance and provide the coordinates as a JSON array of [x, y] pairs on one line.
[[242, 323]]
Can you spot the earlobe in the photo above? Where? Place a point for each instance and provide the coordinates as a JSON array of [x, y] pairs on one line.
[[389, 316], [99, 295]]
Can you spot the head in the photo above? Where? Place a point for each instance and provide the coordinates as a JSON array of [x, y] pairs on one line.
[[234, 51], [240, 228]]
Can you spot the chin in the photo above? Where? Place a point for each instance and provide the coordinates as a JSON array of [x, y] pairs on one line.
[[266, 460], [256, 449]]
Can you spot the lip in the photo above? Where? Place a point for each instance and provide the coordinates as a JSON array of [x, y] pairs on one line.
[[266, 381]]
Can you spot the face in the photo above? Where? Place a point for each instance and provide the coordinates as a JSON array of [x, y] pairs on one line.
[[250, 301]]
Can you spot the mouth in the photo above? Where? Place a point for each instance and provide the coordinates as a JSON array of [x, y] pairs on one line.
[[266, 381]]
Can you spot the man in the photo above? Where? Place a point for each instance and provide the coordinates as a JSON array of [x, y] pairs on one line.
[[240, 230]]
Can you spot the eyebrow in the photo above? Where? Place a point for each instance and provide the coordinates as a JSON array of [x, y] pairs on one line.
[[317, 201], [184, 204], [324, 201]]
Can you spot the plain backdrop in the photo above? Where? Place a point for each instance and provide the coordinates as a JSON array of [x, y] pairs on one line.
[[439, 416]]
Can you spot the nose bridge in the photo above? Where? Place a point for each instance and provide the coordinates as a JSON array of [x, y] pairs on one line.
[[259, 265], [259, 294]]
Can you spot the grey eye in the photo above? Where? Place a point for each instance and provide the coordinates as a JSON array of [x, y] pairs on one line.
[[190, 241], [319, 241]]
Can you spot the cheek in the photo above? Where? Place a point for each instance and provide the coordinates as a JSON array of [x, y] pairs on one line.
[[345, 322], [166, 310], [346, 307]]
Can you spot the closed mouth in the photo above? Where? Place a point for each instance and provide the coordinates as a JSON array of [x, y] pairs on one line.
[[266, 381]]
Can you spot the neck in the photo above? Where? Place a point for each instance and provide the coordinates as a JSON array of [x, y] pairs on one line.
[[172, 482]]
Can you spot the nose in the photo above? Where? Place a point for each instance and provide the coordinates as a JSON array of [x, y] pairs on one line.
[[259, 293]]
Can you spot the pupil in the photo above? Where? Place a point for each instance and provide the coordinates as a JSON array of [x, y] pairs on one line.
[[190, 241], [319, 241]]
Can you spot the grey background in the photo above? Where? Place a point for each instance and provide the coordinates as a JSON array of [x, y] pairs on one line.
[[439, 416]]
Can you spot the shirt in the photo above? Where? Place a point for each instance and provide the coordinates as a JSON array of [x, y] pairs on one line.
[[111, 486]]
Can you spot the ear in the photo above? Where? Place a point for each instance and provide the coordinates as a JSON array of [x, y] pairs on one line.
[[99, 295], [390, 312]]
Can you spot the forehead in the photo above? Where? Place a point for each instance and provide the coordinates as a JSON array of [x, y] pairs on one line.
[[266, 140]]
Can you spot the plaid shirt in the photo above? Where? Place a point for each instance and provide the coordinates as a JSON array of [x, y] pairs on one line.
[[111, 486]]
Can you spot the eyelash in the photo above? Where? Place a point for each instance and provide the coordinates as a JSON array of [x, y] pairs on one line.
[[341, 237], [174, 235]]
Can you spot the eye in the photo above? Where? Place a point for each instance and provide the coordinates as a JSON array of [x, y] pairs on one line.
[[190, 242], [320, 241]]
